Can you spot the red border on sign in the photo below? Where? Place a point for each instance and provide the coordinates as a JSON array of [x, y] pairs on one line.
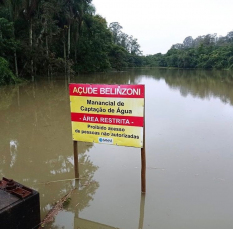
[[107, 119], [110, 91]]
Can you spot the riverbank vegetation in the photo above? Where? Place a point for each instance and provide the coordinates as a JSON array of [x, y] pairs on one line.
[[39, 37], [206, 52], [44, 37]]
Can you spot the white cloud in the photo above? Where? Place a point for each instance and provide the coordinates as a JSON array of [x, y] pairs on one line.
[[159, 24]]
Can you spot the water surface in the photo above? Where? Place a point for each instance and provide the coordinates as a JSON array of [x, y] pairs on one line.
[[189, 151]]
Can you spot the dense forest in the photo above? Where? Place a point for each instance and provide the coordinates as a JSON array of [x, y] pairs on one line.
[[44, 37], [39, 37]]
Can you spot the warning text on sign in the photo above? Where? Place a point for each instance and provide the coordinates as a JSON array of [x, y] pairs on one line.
[[108, 114]]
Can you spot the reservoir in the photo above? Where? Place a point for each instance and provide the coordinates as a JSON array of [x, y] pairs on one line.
[[189, 152]]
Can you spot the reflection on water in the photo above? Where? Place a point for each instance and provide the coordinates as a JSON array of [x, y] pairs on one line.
[[13, 151], [189, 134], [39, 119], [198, 83]]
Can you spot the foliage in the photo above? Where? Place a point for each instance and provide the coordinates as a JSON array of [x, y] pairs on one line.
[[208, 52], [43, 37], [129, 43], [7, 42], [94, 45], [118, 57], [6, 75], [39, 37]]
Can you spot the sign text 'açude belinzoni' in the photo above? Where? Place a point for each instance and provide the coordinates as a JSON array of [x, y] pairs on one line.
[[110, 114]]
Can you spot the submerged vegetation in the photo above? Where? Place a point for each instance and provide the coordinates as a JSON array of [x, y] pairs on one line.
[[44, 37]]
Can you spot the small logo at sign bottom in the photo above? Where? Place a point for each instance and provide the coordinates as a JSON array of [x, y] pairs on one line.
[[106, 140]]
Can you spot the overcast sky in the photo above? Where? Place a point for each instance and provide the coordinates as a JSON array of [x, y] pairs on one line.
[[157, 24]]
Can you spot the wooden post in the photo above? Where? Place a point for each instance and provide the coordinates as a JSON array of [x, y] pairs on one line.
[[76, 171], [143, 170], [143, 156]]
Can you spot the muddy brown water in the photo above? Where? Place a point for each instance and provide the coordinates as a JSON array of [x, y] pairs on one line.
[[189, 151]]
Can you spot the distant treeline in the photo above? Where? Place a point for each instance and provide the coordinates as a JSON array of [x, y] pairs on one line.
[[208, 51], [40, 37], [44, 37]]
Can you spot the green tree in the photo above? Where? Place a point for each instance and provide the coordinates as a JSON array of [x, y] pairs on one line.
[[6, 75], [118, 57], [115, 28], [94, 45]]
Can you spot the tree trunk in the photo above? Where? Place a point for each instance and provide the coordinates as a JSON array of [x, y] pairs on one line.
[[31, 43], [64, 45], [76, 44], [75, 52], [16, 64], [68, 56], [47, 45], [15, 56]]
